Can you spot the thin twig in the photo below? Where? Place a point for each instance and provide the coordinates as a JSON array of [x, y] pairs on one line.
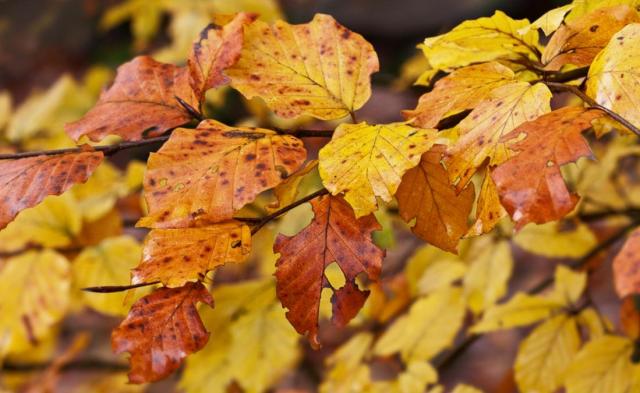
[[592, 103], [118, 288], [87, 364], [285, 209]]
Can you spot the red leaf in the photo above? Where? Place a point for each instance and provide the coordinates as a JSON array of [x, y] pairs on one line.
[[161, 330]]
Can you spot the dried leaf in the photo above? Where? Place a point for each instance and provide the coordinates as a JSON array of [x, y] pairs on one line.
[[367, 161], [626, 266], [530, 184], [320, 68], [425, 194], [161, 330], [205, 175], [26, 182], [177, 256], [334, 235]]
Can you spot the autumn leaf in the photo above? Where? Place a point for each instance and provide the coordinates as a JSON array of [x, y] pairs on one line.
[[550, 21], [613, 76], [626, 267], [521, 309], [142, 102], [347, 373], [481, 131], [462, 89], [205, 175], [530, 184], [630, 316], [425, 194], [177, 256], [334, 235], [366, 161], [579, 41], [489, 210], [430, 269], [26, 182], [217, 48], [161, 329], [287, 191], [320, 68], [557, 239]]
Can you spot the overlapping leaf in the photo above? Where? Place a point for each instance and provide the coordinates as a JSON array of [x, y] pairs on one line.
[[481, 131], [320, 68], [161, 329], [334, 235], [626, 266], [26, 182], [579, 41], [207, 174], [530, 184], [367, 161], [177, 256], [489, 211], [425, 194]]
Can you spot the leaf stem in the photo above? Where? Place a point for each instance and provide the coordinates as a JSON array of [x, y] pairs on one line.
[[266, 219]]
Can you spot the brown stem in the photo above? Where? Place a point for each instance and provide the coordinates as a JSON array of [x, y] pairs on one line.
[[285, 209], [592, 103], [118, 288], [566, 76], [87, 364]]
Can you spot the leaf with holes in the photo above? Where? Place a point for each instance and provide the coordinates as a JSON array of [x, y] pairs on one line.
[[205, 175], [320, 68], [530, 184], [177, 256], [26, 182], [334, 235], [161, 329], [366, 161], [425, 194]]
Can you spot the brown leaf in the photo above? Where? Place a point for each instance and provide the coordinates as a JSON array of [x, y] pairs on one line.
[[140, 103], [177, 256], [26, 182], [217, 48], [530, 184], [207, 174], [626, 266], [425, 194], [630, 316], [161, 329], [579, 41], [334, 235]]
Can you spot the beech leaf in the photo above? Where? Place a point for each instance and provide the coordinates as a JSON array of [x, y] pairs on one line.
[[626, 266]]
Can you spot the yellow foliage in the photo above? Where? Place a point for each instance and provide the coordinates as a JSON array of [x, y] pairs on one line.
[[554, 241], [520, 310], [348, 374], [430, 269]]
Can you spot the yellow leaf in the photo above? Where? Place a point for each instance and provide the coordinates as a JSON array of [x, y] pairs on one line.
[[98, 195], [347, 374], [320, 68], [489, 211], [507, 107], [411, 70], [367, 161], [545, 354], [145, 18], [134, 175], [53, 223], [416, 377], [5, 109], [462, 388], [106, 264], [603, 365], [554, 240], [583, 7], [462, 89], [569, 285], [481, 40], [430, 327], [430, 269], [549, 21], [613, 77], [520, 310], [109, 383], [287, 191], [35, 297], [593, 322], [488, 274]]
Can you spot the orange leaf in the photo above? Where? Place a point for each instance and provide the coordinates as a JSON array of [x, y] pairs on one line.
[[176, 256], [630, 316], [626, 266], [142, 102], [530, 184], [217, 48], [205, 175], [425, 194], [334, 235], [579, 41], [161, 329], [26, 182], [489, 211]]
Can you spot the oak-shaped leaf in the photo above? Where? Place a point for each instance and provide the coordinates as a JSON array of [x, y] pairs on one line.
[[217, 48], [334, 235], [26, 182], [506, 108], [177, 256], [579, 41], [462, 89], [530, 184], [626, 266], [143, 101], [320, 68], [161, 329], [365, 161], [205, 175], [425, 194]]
